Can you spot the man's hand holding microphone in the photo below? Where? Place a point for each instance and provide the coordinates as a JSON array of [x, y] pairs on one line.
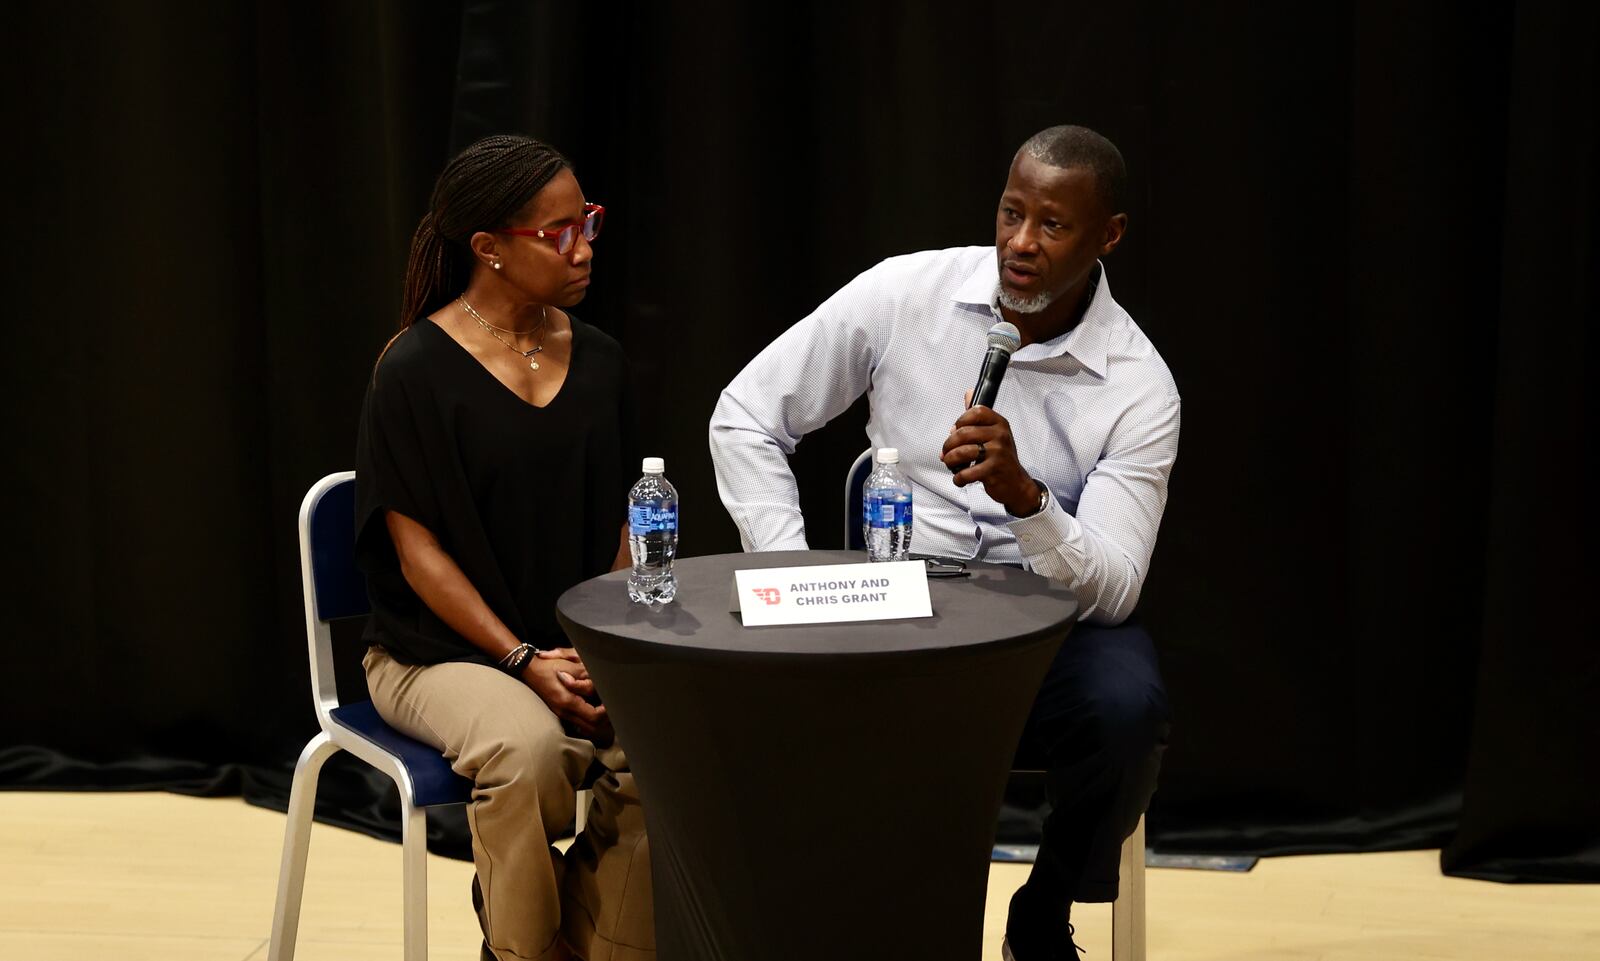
[[981, 447]]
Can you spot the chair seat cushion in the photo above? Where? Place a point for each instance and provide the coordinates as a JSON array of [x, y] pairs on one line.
[[432, 780]]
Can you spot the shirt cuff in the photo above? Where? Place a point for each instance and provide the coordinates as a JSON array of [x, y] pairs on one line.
[[1042, 535]]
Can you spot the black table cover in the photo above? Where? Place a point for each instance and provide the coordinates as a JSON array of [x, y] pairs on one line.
[[824, 791]]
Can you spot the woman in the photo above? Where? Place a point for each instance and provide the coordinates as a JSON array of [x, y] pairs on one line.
[[491, 475]]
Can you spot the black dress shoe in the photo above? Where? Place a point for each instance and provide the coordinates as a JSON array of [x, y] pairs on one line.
[[1038, 929], [1007, 955], [1071, 955]]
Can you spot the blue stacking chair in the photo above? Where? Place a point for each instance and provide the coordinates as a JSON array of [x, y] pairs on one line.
[[1127, 911], [335, 590]]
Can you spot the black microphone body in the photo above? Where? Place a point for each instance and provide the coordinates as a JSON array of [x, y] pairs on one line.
[[995, 362], [1003, 340]]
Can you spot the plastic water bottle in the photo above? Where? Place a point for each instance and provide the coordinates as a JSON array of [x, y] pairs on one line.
[[653, 536], [886, 509]]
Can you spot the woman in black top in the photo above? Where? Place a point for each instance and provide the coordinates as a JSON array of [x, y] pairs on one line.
[[491, 474]]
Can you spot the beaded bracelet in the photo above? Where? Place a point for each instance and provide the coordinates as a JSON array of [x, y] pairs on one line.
[[518, 658]]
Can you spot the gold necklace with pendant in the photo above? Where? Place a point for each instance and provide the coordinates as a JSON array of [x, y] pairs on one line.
[[527, 355]]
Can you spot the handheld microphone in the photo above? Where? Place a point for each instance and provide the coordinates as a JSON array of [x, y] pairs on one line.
[[1004, 338]]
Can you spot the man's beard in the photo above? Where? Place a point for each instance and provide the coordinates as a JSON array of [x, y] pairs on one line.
[[1025, 305]]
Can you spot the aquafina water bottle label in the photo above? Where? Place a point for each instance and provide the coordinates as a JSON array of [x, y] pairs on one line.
[[647, 518], [883, 512]]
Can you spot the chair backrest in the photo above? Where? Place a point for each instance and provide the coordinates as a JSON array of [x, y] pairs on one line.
[[333, 588], [340, 589], [854, 481]]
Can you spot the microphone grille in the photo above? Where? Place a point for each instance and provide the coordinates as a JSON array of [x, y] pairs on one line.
[[1005, 336]]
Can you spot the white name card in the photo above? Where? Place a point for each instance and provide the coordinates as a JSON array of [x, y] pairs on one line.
[[832, 593]]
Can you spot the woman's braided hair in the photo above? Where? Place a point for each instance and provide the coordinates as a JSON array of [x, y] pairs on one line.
[[481, 189]]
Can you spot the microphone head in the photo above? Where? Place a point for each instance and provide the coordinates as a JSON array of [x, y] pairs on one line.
[[1005, 336]]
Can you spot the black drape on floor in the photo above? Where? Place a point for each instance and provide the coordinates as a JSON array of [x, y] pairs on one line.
[[1361, 237]]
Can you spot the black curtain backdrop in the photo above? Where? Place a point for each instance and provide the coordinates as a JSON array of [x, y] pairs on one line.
[[1361, 235]]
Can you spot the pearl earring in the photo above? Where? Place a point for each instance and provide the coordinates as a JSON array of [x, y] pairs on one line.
[[497, 265]]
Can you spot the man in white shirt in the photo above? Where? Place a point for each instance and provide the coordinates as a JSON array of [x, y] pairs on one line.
[[1070, 482]]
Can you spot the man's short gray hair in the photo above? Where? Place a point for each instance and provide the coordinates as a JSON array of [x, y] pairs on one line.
[[1069, 146]]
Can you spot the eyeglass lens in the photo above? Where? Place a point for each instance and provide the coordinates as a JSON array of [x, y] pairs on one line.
[[569, 233]]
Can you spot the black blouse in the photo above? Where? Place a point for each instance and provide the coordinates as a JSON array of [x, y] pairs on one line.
[[528, 501]]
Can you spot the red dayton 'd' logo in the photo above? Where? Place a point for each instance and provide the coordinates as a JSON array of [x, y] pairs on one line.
[[768, 594]]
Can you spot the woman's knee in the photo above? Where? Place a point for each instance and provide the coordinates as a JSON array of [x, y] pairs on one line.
[[529, 758]]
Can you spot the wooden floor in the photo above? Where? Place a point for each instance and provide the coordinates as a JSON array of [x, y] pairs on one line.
[[168, 878]]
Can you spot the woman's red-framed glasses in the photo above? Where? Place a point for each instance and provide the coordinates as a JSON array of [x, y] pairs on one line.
[[565, 235]]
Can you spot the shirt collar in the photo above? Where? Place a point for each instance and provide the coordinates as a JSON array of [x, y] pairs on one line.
[[982, 288], [1085, 342]]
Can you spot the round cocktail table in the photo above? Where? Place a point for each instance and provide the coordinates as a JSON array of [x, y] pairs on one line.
[[823, 791]]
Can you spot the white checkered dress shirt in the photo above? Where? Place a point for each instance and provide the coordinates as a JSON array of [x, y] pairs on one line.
[[1094, 412]]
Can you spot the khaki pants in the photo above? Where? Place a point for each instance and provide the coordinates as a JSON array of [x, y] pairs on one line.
[[494, 730]]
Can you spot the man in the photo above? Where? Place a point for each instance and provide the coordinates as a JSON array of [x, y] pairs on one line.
[[1070, 481]]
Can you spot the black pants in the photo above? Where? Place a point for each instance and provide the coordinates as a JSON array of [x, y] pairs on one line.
[[1098, 728]]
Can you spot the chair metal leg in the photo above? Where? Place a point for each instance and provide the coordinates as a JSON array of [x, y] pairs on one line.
[[296, 844], [583, 812], [1127, 911], [414, 848]]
